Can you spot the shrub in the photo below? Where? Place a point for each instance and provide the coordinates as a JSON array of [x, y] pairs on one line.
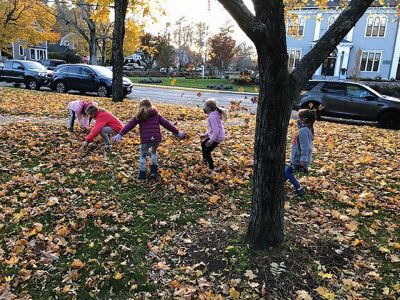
[[151, 81]]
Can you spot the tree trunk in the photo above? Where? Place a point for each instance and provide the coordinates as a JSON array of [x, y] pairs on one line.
[[273, 113], [118, 50], [93, 46], [278, 90]]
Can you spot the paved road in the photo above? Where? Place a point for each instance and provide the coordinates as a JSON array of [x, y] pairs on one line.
[[184, 97], [191, 98]]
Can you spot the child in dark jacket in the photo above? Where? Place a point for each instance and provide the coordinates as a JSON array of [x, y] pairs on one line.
[[149, 120], [302, 147]]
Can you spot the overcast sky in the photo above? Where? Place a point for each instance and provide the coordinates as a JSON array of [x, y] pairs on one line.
[[196, 11]]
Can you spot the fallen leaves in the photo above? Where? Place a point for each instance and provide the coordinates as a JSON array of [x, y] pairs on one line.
[[87, 220]]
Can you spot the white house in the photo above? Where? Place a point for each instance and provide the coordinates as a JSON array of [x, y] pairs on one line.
[[370, 50]]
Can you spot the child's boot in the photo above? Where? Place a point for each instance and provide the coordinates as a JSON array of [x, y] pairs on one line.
[[154, 171], [300, 192], [142, 175]]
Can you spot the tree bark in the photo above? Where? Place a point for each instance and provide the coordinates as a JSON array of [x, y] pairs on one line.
[[118, 50], [278, 90]]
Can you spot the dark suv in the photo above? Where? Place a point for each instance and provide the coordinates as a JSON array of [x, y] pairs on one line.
[[350, 100], [86, 78], [52, 64], [30, 73]]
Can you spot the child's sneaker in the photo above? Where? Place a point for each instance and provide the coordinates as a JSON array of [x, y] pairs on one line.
[[300, 192]]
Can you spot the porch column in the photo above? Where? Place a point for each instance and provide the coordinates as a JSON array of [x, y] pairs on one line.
[[318, 19], [338, 62], [396, 54]]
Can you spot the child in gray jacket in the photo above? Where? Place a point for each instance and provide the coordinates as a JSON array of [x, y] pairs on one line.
[[302, 147]]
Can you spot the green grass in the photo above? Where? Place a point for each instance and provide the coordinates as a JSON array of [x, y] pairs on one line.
[[199, 83]]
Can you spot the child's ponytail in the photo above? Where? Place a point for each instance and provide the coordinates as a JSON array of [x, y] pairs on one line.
[[211, 105], [309, 117]]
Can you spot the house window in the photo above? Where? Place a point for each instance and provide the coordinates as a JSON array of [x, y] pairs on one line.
[[296, 28], [332, 20], [294, 58], [32, 52], [376, 26], [21, 51], [370, 61]]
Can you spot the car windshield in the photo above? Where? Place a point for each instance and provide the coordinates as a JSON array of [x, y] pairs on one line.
[[32, 65], [102, 71]]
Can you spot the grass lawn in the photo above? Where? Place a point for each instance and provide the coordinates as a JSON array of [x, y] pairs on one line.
[[78, 225], [199, 83]]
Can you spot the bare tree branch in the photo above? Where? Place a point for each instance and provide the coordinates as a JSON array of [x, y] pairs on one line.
[[327, 43], [245, 18]]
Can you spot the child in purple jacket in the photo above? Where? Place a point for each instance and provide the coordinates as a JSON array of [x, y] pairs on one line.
[[149, 120], [215, 133]]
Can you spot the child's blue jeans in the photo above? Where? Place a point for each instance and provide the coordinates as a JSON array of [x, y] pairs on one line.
[[289, 175], [144, 148]]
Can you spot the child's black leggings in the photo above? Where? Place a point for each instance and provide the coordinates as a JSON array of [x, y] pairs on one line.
[[207, 152]]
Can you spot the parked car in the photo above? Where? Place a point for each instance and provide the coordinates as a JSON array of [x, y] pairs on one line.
[[350, 100], [51, 64], [30, 73], [86, 78], [133, 66]]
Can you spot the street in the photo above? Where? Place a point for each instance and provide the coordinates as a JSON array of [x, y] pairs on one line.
[[182, 97]]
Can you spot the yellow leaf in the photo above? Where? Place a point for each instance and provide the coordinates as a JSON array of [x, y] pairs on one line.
[[385, 291], [325, 293], [357, 242], [214, 199], [117, 276], [77, 264], [234, 293], [325, 275]]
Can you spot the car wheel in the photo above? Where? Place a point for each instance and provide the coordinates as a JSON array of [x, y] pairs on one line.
[[390, 119], [32, 84], [314, 105], [17, 85], [60, 87], [102, 91]]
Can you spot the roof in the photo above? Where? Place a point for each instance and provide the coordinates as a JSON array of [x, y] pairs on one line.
[[55, 48], [337, 3]]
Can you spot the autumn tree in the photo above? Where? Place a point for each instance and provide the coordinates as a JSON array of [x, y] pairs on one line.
[[165, 54], [278, 90], [26, 20], [222, 49], [138, 10], [148, 44]]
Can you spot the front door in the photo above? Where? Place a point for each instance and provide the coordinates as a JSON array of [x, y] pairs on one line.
[[328, 66]]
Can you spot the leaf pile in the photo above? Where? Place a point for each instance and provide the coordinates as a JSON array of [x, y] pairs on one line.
[[79, 226]]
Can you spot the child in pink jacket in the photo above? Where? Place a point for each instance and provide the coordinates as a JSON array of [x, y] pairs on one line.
[[215, 133], [76, 109]]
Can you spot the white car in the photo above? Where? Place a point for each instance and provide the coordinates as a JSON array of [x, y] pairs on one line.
[[133, 66]]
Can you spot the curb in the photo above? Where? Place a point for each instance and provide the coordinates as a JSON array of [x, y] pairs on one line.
[[193, 89]]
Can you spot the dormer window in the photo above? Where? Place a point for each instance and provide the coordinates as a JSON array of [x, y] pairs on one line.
[[376, 26], [296, 28]]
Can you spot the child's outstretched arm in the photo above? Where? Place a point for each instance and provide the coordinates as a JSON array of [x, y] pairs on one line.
[[128, 127], [168, 125]]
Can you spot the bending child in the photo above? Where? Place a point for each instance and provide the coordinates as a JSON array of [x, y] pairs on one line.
[[106, 124], [302, 147], [149, 120], [76, 109], [215, 133]]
